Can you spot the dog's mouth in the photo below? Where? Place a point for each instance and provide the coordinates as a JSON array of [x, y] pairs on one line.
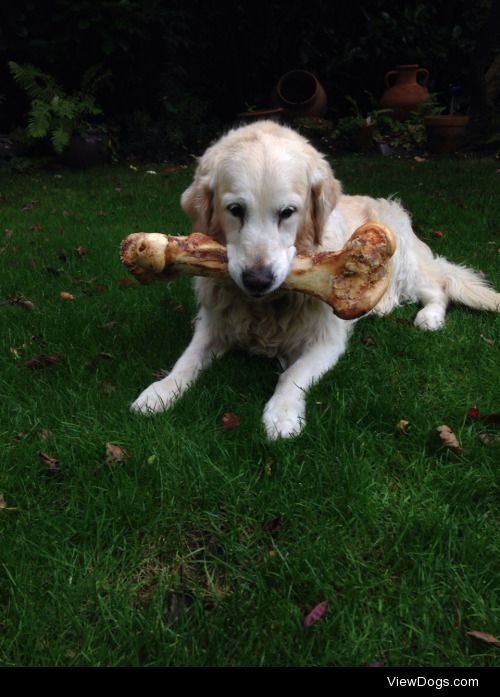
[[268, 296]]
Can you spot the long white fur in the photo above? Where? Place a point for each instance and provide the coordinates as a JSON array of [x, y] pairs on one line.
[[267, 168]]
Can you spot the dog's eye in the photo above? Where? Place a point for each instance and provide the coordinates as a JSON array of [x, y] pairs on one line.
[[287, 212], [236, 210]]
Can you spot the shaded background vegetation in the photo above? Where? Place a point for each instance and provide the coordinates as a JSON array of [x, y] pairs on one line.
[[183, 69]]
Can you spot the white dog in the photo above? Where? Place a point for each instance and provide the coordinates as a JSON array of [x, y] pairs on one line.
[[266, 193]]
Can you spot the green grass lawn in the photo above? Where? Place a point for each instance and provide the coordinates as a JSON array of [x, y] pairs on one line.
[[204, 547]]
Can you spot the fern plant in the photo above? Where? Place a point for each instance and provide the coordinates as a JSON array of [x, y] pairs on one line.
[[53, 112]]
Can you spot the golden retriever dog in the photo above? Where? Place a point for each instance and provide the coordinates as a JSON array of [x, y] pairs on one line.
[[267, 194]]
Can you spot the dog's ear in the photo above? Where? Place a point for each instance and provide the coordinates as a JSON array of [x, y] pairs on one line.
[[323, 196], [198, 200]]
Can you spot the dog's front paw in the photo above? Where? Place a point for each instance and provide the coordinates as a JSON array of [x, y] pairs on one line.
[[430, 318], [155, 399], [283, 419]]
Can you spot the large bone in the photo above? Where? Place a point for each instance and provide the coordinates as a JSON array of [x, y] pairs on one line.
[[351, 281]]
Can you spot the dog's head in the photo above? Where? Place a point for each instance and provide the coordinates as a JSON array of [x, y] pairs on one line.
[[266, 194]]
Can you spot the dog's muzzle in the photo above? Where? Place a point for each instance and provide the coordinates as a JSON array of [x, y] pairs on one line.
[[257, 281]]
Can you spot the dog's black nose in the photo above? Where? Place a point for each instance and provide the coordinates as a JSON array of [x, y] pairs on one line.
[[257, 281]]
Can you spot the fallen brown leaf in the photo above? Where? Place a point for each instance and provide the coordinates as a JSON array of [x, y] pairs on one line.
[[115, 453], [44, 434], [402, 426], [125, 282], [30, 205], [100, 288], [43, 361], [64, 295], [81, 251], [489, 438], [316, 613], [230, 421], [107, 356], [269, 466], [21, 301], [2, 502], [488, 341], [51, 463], [449, 439], [484, 636]]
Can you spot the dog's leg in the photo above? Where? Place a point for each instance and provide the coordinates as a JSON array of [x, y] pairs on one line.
[[432, 315], [198, 355], [284, 414]]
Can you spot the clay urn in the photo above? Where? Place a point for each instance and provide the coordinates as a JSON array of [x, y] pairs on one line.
[[404, 93]]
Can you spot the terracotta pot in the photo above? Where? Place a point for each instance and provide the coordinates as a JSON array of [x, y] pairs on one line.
[[299, 93], [89, 150], [362, 139], [404, 94], [445, 134], [257, 115]]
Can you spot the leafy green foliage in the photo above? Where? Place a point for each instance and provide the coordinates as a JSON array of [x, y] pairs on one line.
[[54, 113]]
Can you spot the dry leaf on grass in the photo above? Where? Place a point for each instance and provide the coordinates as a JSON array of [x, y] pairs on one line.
[[125, 282], [269, 467], [30, 205], [449, 439], [43, 361], [230, 421], [115, 453], [489, 438], [50, 462], [484, 636], [19, 300], [64, 295], [44, 434], [402, 426], [316, 613], [488, 341]]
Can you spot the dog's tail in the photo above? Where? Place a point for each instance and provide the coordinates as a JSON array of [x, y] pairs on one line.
[[465, 286]]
